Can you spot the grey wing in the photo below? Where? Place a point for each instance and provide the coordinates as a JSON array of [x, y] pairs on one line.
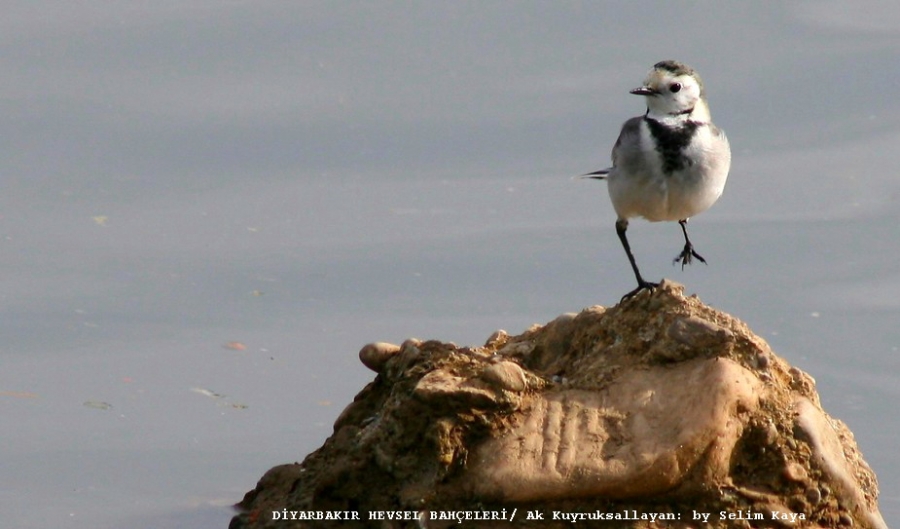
[[627, 150]]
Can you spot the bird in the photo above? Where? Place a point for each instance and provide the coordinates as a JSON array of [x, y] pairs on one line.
[[669, 164]]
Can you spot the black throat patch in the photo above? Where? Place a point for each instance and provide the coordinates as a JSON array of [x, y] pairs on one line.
[[671, 143]]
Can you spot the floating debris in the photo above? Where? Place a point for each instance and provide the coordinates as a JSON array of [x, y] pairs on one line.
[[208, 393], [219, 397], [19, 394]]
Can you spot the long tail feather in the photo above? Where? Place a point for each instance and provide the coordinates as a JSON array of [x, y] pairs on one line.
[[598, 175]]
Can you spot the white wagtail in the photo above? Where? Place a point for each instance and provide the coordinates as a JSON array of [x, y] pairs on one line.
[[669, 164]]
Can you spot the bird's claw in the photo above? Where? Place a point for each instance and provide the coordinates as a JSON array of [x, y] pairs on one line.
[[642, 285], [686, 256]]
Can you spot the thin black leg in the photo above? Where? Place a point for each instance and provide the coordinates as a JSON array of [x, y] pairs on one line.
[[621, 226], [688, 252]]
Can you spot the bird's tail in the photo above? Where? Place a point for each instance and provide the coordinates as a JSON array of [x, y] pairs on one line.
[[599, 175]]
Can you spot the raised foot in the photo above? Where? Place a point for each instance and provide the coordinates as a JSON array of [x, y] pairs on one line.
[[686, 256], [642, 285]]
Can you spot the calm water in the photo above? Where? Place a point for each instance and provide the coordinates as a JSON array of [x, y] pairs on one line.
[[208, 207]]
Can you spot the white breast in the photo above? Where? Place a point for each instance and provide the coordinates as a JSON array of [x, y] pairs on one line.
[[640, 188]]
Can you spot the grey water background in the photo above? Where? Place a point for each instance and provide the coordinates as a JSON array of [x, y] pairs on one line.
[[307, 177]]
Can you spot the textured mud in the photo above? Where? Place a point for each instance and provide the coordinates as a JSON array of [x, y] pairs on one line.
[[658, 405]]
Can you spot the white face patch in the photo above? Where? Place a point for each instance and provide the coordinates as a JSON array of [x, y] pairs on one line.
[[676, 94]]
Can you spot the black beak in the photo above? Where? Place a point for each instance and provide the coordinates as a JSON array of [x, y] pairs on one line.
[[644, 91]]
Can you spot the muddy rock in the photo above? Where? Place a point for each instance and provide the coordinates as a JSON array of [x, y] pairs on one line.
[[660, 407]]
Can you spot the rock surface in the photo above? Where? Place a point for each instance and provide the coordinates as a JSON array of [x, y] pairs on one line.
[[660, 404]]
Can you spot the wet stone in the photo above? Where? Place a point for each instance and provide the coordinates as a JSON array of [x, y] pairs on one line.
[[497, 339], [699, 333], [376, 355], [813, 495], [505, 375]]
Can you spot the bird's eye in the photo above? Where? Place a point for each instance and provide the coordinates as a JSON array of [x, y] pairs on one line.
[[675, 87]]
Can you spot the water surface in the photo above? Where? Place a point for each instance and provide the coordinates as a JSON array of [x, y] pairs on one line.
[[209, 207]]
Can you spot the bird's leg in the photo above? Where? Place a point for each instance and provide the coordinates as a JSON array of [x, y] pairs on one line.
[[621, 226], [688, 253]]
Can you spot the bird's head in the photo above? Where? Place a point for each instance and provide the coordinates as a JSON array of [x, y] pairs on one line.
[[674, 89]]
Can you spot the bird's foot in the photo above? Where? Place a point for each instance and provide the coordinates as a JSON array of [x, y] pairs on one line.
[[642, 285], [687, 256]]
